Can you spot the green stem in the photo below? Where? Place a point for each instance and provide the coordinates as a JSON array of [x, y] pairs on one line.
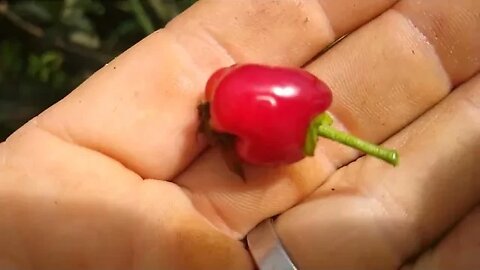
[[141, 16], [388, 155]]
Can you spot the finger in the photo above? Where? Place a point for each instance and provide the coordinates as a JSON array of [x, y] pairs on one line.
[[391, 72], [458, 53], [63, 206], [383, 76], [458, 250], [374, 216], [287, 32], [141, 109]]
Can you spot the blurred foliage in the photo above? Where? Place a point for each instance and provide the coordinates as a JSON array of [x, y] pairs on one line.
[[48, 47]]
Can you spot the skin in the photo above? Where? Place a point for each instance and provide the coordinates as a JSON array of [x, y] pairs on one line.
[[113, 176]]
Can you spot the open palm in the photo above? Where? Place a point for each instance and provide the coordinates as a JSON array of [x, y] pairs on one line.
[[114, 176]]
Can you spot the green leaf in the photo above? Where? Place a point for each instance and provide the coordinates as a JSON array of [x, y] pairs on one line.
[[41, 67], [74, 13], [142, 17], [44, 74], [52, 60], [85, 39], [34, 10], [86, 6], [76, 19], [34, 65], [165, 10]]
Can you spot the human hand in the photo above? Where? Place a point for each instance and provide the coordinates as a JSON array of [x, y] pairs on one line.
[[388, 78], [113, 177]]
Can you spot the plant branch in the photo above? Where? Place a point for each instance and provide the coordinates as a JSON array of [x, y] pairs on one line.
[[19, 22], [39, 33]]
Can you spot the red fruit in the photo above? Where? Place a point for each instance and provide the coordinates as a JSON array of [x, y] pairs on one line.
[[267, 109], [216, 77], [272, 116]]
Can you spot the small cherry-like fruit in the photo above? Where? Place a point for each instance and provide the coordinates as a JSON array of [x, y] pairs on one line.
[[273, 115], [268, 109]]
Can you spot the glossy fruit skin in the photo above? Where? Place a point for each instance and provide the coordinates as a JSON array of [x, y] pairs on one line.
[[267, 108]]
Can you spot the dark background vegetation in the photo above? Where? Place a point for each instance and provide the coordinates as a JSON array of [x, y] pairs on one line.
[[48, 47]]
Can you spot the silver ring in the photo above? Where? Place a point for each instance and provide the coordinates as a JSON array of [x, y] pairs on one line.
[[266, 248]]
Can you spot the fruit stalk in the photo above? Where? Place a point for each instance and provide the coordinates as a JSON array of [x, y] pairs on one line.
[[388, 155]]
